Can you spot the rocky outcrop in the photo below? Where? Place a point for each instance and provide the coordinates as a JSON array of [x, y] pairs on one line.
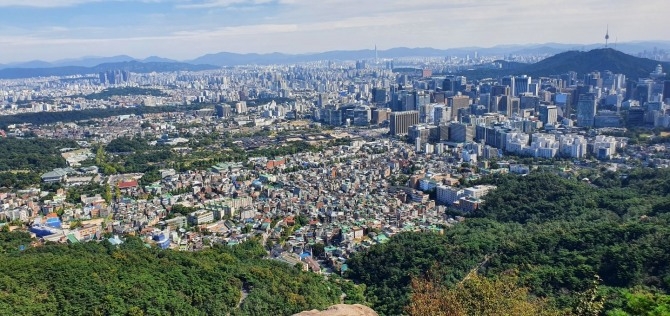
[[341, 310]]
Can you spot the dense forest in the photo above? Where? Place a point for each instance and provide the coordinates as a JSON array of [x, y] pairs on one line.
[[22, 161], [42, 118], [124, 91], [101, 279], [32, 154], [558, 233]]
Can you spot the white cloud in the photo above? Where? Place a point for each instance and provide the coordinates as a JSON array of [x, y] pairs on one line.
[[56, 3], [298, 26], [43, 3], [221, 3]]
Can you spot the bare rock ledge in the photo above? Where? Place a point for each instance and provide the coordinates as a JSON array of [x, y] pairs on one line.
[[341, 310]]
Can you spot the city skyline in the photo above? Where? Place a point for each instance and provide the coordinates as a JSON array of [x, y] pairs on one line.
[[185, 29]]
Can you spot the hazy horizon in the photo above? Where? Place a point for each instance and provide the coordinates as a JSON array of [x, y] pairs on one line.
[[185, 29]]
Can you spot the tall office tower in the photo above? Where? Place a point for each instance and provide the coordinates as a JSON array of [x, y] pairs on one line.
[[223, 110], [666, 91], [608, 80], [125, 75], [426, 113], [420, 132], [380, 115], [619, 81], [449, 84], [515, 106], [408, 102], [593, 79], [118, 77], [361, 64], [485, 100], [509, 81], [323, 100], [241, 107], [331, 116], [493, 104], [631, 86], [643, 91], [438, 97], [103, 77], [401, 121], [534, 88], [440, 114], [362, 115], [549, 114], [379, 96], [530, 102], [582, 89], [421, 98], [504, 105], [586, 110], [456, 103], [460, 132], [570, 78], [461, 82], [499, 90], [443, 132], [521, 85]]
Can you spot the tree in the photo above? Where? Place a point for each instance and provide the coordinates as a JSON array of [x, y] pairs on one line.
[[642, 302], [475, 295], [75, 224], [589, 303], [117, 193], [318, 250], [107, 195]]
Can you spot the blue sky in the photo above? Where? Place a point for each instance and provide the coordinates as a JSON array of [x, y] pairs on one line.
[[184, 29]]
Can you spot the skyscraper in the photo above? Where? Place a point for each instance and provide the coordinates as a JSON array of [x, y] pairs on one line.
[[323, 100], [549, 114], [440, 115], [449, 84], [460, 132], [521, 85], [401, 121], [586, 110], [643, 91], [456, 103], [223, 110], [379, 96], [499, 90], [509, 81]]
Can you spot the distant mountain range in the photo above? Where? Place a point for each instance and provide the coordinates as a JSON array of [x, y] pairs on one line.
[[132, 66], [233, 59], [87, 65]]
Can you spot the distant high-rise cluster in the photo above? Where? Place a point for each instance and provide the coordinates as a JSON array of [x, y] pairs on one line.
[[114, 77]]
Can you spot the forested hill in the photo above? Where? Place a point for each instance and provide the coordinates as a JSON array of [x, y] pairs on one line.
[[101, 279], [581, 62], [557, 233], [595, 60]]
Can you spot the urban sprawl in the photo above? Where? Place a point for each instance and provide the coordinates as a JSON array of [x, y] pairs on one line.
[[318, 160]]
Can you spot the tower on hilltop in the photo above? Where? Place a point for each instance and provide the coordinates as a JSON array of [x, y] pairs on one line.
[[607, 35]]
